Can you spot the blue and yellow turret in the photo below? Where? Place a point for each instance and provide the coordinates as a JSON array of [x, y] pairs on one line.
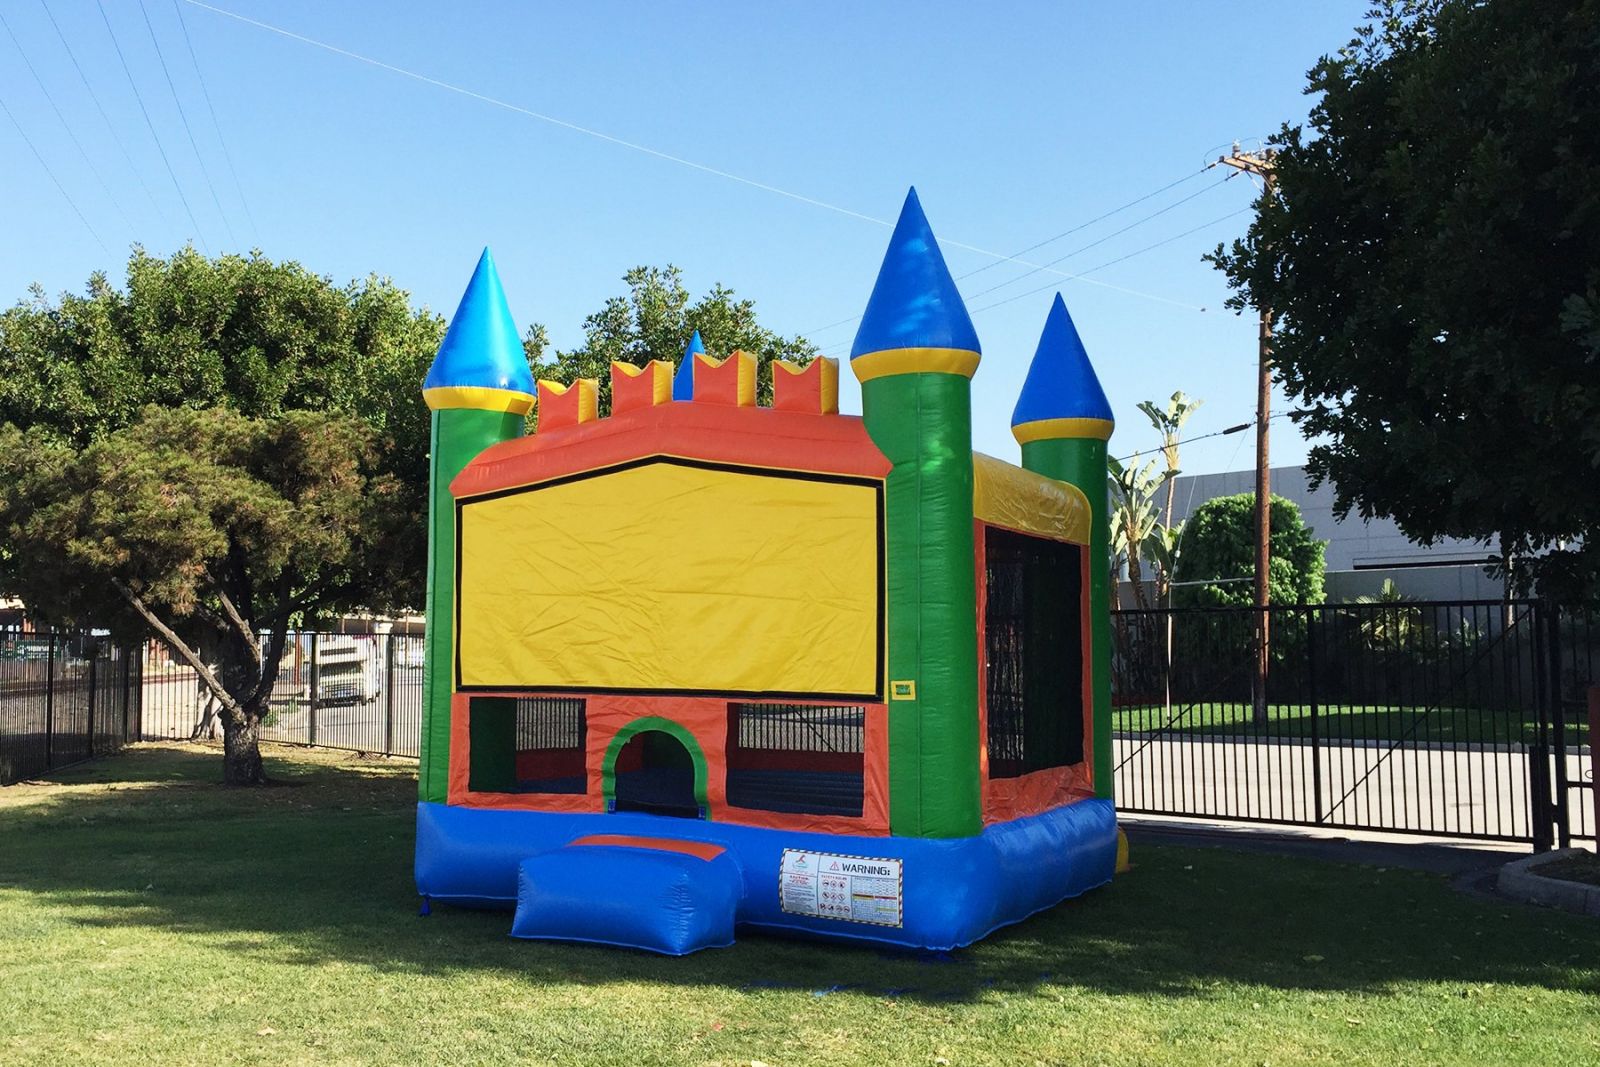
[[1063, 422], [915, 354], [479, 390]]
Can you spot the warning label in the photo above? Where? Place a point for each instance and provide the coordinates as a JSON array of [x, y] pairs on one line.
[[854, 888]]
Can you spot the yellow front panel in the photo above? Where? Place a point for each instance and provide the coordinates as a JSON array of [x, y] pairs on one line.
[[673, 577]]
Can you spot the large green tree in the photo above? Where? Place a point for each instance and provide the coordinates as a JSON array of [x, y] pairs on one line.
[[1219, 553], [654, 320], [219, 449], [1432, 255], [213, 531]]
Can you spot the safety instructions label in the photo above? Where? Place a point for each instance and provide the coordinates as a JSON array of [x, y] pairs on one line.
[[854, 888]]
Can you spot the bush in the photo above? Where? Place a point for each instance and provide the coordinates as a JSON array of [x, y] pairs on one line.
[[1219, 550]]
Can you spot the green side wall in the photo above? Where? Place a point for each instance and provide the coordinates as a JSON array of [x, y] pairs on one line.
[[458, 435], [1081, 461], [923, 424]]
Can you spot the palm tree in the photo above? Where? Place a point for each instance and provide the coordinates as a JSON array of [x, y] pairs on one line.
[[1133, 515], [1168, 422]]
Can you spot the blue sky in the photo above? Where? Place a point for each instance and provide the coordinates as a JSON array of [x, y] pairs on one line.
[[1016, 123]]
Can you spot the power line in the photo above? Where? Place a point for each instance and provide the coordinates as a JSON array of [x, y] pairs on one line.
[[1065, 233], [221, 140], [111, 127], [71, 134], [1243, 426], [1119, 259], [52, 174], [152, 127], [644, 149], [1100, 241], [184, 118], [1098, 218]]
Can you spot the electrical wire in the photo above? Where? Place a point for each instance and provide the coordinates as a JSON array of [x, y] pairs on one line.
[[152, 128], [1100, 241], [205, 94], [1065, 233], [1119, 259], [72, 135], [1205, 436], [183, 117], [62, 189], [111, 127], [656, 153]]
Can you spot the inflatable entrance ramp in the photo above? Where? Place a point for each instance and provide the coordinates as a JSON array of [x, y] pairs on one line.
[[659, 894]]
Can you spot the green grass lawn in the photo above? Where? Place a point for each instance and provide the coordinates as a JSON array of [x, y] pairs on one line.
[[149, 916], [1340, 723]]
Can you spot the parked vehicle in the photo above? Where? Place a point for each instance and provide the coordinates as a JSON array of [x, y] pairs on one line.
[[348, 671]]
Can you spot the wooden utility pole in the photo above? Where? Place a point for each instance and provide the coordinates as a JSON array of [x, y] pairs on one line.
[[1261, 164]]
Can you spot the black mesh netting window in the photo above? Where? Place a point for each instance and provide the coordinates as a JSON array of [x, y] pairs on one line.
[[801, 759], [1033, 636], [527, 745]]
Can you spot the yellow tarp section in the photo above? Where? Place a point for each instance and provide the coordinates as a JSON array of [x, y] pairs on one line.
[[673, 577], [1018, 499]]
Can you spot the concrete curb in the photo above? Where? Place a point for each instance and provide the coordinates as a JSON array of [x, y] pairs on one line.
[[1519, 880]]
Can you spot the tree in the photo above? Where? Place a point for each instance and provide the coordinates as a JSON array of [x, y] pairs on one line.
[[1219, 550], [225, 447], [655, 320], [1163, 544], [1133, 518], [262, 338], [1433, 255], [212, 529]]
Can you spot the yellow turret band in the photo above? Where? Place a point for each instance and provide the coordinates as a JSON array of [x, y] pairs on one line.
[[1054, 429], [872, 365], [477, 398]]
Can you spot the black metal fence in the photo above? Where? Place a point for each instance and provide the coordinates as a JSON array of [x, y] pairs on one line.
[[352, 691], [1455, 719], [64, 697]]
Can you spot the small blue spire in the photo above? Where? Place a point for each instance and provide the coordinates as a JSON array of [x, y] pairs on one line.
[[1061, 383], [914, 303], [683, 380], [482, 349]]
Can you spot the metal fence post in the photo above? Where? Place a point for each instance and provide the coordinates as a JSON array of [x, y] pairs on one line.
[[50, 704], [94, 659], [388, 694], [1539, 806], [1558, 718], [316, 683], [1311, 693]]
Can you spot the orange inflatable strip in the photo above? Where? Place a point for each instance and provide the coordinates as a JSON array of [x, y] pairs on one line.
[[699, 849], [754, 437]]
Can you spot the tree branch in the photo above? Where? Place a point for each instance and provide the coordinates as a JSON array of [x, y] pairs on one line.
[[239, 623], [177, 644]]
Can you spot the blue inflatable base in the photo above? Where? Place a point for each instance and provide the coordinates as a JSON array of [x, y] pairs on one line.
[[911, 892]]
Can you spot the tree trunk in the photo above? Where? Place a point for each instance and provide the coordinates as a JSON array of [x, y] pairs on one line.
[[241, 750]]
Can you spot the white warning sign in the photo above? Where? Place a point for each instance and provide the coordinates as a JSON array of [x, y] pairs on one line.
[[854, 888]]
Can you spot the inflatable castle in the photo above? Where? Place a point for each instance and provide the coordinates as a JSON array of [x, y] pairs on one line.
[[704, 665]]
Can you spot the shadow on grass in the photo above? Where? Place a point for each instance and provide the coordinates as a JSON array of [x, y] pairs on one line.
[[323, 873]]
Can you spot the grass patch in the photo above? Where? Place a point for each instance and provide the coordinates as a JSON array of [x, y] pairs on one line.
[[147, 915], [1584, 868], [1339, 722]]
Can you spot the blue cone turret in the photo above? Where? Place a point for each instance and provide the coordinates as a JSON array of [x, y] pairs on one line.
[[481, 364], [683, 380], [1061, 396], [915, 319]]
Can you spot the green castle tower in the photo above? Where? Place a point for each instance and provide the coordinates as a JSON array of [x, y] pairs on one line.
[[915, 355], [479, 390], [1063, 422]]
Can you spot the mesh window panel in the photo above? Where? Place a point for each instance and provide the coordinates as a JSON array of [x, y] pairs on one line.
[[1033, 636], [552, 734], [799, 759]]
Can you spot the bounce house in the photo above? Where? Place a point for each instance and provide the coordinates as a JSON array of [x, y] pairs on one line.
[[704, 665]]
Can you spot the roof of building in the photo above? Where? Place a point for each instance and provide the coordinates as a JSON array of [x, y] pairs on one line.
[[914, 303]]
